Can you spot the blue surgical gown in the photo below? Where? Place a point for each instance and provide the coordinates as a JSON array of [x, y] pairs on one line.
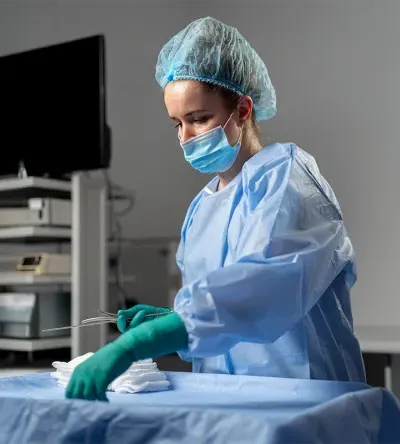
[[267, 269]]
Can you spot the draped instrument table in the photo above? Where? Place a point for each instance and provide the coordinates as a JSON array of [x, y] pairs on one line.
[[201, 408]]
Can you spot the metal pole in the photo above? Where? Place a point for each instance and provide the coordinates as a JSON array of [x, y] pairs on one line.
[[89, 286]]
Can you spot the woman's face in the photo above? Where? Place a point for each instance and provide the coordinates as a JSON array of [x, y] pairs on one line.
[[194, 110]]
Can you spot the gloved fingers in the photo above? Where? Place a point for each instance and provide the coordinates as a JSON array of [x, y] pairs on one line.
[[75, 390], [138, 319], [69, 393], [100, 390], [131, 312], [89, 393], [102, 397], [123, 315], [79, 389], [121, 324]]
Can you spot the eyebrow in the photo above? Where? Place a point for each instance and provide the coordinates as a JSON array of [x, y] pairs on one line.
[[190, 113]]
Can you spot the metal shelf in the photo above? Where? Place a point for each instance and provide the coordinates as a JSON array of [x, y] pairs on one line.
[[25, 278], [36, 234], [89, 280], [34, 187], [30, 345]]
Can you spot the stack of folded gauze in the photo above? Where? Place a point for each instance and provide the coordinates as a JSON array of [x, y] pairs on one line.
[[142, 376]]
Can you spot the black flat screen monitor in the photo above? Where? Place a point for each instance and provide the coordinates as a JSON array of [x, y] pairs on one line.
[[53, 109]]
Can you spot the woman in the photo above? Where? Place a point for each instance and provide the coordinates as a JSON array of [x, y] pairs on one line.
[[266, 262]]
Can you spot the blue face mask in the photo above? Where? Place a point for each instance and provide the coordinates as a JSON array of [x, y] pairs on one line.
[[211, 152]]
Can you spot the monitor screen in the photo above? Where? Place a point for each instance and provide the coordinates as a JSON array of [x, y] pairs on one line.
[[53, 109]]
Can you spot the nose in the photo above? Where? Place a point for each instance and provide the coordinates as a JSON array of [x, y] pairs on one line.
[[185, 133]]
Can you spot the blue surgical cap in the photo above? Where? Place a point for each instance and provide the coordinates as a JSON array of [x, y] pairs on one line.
[[210, 51]]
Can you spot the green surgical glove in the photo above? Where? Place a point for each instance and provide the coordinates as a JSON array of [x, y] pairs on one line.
[[137, 315], [164, 335]]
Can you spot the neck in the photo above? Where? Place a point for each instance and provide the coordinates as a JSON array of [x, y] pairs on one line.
[[246, 152]]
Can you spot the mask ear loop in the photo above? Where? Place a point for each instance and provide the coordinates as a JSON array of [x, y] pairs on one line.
[[239, 139]]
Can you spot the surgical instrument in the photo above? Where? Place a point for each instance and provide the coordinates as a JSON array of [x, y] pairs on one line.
[[106, 318]]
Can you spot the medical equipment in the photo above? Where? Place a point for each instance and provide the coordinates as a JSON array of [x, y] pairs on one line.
[[48, 133], [38, 212], [136, 315], [212, 52], [106, 318], [24, 315], [45, 264]]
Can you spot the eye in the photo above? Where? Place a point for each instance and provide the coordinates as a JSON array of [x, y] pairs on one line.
[[177, 124], [201, 120]]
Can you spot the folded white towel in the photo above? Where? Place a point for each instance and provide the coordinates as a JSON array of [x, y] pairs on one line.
[[142, 376]]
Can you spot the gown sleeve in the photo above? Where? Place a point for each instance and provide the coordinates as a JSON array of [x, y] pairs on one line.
[[290, 250]]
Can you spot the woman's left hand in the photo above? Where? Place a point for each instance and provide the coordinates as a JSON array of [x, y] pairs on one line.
[[91, 379]]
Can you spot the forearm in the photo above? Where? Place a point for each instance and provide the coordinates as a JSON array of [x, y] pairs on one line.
[[159, 337], [254, 301]]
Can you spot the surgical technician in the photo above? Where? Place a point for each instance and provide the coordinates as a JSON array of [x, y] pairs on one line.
[[266, 261]]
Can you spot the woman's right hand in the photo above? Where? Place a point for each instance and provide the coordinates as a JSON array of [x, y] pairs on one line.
[[134, 316]]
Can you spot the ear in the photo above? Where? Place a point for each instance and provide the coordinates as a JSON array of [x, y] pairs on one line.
[[245, 108]]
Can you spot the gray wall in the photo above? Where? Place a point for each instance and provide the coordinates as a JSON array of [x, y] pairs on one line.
[[335, 65], [336, 68]]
